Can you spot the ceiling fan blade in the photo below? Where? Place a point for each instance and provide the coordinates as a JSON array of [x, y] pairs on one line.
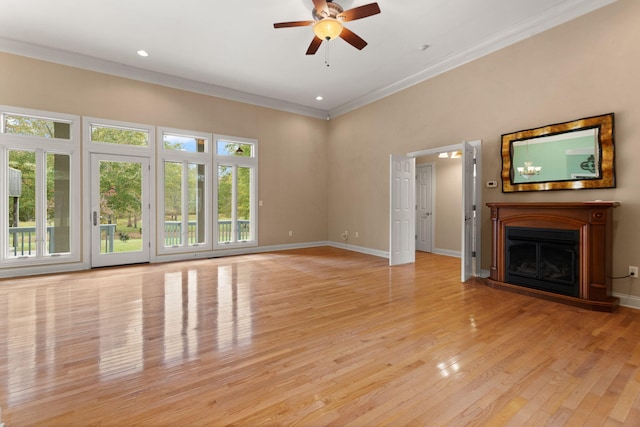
[[321, 7], [314, 46], [293, 24], [353, 39], [359, 12]]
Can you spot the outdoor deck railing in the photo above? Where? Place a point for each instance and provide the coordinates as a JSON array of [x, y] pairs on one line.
[[22, 240]]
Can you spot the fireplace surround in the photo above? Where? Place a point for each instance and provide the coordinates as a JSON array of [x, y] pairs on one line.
[[557, 251]]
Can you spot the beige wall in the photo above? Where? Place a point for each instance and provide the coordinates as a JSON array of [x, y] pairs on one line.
[[320, 178], [448, 202], [585, 67], [292, 148]]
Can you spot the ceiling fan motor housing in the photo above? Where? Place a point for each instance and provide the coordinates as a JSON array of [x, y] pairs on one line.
[[334, 10]]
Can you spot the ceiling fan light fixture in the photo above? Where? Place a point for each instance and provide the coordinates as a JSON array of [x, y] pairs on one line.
[[327, 28]]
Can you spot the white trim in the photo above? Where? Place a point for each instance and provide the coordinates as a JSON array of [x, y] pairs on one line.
[[360, 249], [628, 300], [483, 274], [454, 147], [64, 57], [235, 162], [448, 252], [102, 259], [36, 270], [550, 18], [119, 149], [436, 150], [42, 147], [184, 157], [89, 148]]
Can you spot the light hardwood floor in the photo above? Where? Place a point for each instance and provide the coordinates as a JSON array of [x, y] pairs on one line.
[[308, 337]]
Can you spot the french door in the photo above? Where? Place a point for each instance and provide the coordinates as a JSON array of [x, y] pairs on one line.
[[119, 210]]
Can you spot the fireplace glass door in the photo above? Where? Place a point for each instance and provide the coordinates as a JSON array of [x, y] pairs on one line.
[[545, 259]]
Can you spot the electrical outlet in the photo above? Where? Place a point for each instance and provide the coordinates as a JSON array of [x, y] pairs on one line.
[[290, 233], [633, 271]]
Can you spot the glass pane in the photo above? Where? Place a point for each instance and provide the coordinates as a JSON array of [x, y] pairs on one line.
[[58, 204], [225, 186], [238, 149], [196, 203], [172, 204], [36, 126], [184, 143], [122, 136], [22, 203], [120, 207], [244, 204]]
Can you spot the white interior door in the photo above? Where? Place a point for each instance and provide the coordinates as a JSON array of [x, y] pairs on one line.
[[424, 208], [470, 212], [402, 244], [119, 210]]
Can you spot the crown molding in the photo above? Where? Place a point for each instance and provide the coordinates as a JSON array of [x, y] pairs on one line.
[[71, 59], [551, 18]]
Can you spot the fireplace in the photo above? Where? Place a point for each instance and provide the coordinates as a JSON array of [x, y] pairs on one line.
[[557, 251], [545, 259]]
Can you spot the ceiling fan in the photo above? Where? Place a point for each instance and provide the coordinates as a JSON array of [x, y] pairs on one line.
[[328, 19]]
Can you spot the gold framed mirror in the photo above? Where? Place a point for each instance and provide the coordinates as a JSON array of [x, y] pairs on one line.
[[565, 156]]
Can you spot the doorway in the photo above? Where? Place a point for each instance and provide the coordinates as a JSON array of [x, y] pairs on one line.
[[424, 207], [471, 198], [119, 210]]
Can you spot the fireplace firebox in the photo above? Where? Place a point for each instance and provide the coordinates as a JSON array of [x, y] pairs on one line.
[[545, 259], [557, 251]]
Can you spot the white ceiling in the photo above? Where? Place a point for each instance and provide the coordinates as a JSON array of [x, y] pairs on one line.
[[229, 48]]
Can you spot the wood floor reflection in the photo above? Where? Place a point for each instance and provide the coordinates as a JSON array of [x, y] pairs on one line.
[[311, 337]]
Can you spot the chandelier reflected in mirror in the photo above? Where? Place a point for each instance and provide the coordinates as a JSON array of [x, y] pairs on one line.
[[529, 169]]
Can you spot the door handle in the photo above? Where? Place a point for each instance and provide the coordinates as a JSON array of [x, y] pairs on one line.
[[95, 218]]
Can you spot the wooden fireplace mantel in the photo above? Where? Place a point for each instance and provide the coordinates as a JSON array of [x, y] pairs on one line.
[[592, 220]]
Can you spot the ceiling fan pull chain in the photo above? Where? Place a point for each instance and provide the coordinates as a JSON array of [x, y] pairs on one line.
[[326, 54]]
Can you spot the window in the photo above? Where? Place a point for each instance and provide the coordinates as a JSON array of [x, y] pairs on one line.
[[26, 125], [105, 134], [39, 160], [185, 185], [236, 164]]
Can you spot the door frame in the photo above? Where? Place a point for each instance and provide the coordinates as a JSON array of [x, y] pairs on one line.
[[89, 147], [475, 191], [97, 259]]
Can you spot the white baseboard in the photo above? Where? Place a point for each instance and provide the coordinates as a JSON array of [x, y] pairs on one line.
[[630, 301], [484, 274], [360, 249], [447, 252]]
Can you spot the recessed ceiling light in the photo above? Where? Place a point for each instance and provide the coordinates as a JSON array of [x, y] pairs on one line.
[[143, 52], [319, 98]]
